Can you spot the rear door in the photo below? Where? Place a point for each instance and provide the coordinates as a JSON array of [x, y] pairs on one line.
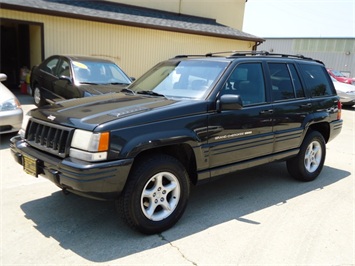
[[291, 107]]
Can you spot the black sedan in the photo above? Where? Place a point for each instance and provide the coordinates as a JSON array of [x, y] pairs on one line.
[[66, 77]]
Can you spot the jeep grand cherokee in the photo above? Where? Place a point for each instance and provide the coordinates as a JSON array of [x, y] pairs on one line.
[[187, 120]]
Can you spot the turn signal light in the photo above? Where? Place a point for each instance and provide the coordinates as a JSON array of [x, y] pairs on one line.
[[104, 141]]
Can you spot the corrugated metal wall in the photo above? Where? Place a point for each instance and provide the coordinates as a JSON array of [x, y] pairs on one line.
[[335, 53], [134, 49]]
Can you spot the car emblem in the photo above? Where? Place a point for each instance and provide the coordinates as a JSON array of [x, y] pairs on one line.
[[51, 117]]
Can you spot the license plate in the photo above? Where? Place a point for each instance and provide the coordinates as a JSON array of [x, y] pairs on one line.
[[30, 165]]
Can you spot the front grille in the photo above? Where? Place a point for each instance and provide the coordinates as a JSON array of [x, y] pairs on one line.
[[49, 137]]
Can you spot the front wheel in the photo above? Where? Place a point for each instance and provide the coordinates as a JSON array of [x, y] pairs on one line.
[[308, 164], [156, 194], [37, 96]]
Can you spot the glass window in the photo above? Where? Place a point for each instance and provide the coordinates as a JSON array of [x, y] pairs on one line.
[[50, 66], [282, 85], [117, 74], [99, 73], [182, 79], [247, 80], [296, 82], [64, 70], [316, 79]]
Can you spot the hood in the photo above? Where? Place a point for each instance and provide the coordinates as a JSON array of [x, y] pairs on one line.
[[127, 109]]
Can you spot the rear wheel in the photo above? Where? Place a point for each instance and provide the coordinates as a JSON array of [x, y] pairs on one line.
[[308, 164], [37, 96], [156, 194]]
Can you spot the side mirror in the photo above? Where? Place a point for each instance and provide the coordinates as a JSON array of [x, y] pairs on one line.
[[3, 77], [230, 102], [66, 78]]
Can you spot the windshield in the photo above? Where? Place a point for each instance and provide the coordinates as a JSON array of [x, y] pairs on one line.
[[99, 73], [183, 79]]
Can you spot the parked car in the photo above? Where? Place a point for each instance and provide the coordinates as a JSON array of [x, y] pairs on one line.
[[340, 76], [186, 121], [345, 91], [65, 77], [11, 113]]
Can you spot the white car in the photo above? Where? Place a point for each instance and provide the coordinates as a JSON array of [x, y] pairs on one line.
[[11, 113], [345, 91]]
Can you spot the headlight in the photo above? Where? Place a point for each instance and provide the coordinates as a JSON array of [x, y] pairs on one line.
[[89, 146], [11, 104]]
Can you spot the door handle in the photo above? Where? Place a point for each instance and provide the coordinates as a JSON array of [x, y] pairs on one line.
[[308, 105], [264, 112]]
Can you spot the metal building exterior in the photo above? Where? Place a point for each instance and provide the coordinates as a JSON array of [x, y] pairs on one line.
[[135, 38], [336, 53]]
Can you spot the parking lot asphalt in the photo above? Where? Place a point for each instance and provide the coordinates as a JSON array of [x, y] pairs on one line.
[[259, 216]]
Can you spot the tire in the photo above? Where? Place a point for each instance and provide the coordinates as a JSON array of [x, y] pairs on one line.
[[308, 164], [156, 194], [37, 96]]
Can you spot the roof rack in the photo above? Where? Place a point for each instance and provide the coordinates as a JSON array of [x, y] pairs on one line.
[[205, 55], [266, 53], [251, 53], [188, 55], [260, 53]]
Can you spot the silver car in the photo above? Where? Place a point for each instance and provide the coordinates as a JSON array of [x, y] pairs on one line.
[[345, 91], [11, 113]]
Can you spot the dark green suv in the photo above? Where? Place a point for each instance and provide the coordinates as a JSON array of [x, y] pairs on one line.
[[187, 120]]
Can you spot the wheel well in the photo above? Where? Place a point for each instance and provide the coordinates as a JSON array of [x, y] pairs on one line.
[[181, 152], [322, 128]]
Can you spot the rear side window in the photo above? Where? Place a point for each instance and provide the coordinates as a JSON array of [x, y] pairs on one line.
[[283, 82], [296, 82], [316, 80]]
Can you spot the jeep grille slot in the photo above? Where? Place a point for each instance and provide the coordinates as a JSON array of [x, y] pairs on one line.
[[48, 137]]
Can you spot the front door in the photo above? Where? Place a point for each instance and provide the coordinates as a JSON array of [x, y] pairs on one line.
[[243, 134], [63, 87]]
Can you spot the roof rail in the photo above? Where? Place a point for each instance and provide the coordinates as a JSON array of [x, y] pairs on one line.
[[205, 55], [189, 55], [266, 53], [251, 53], [245, 53], [269, 54]]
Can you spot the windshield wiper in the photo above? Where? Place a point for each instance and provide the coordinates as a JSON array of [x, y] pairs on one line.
[[89, 83], [118, 83], [151, 93]]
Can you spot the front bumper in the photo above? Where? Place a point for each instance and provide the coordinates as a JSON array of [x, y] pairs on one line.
[[104, 180], [10, 121]]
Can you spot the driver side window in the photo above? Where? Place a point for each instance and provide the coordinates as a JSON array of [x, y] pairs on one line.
[[51, 66], [247, 80], [63, 69]]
